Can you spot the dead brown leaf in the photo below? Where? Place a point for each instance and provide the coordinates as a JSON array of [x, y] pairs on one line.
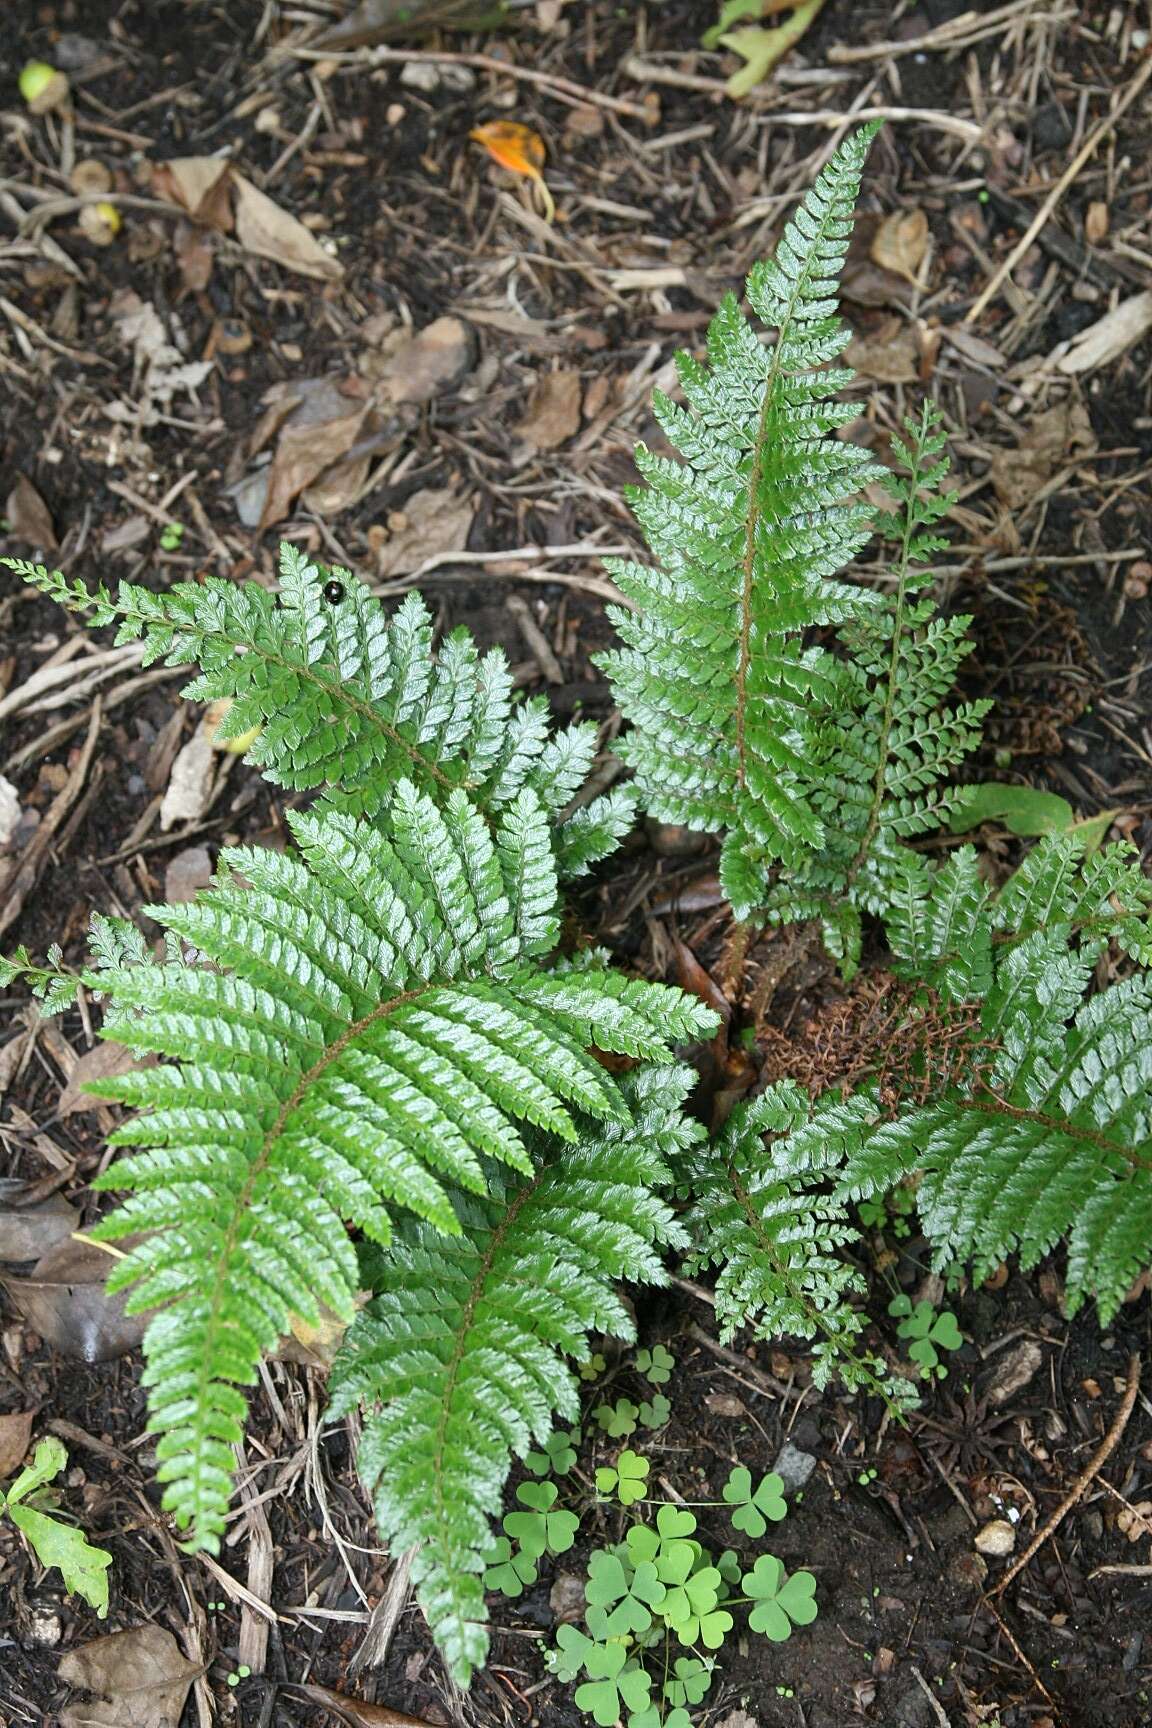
[[306, 449], [15, 1433], [201, 185], [28, 1232], [29, 518], [432, 523], [553, 412], [428, 363], [1109, 337], [900, 242], [102, 1062], [1060, 435], [138, 1679], [265, 229], [355, 1713], [889, 354], [65, 1300]]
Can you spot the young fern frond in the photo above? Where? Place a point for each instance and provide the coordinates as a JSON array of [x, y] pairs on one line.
[[777, 1238], [354, 1029], [1045, 1132], [813, 764], [749, 529], [342, 697], [462, 1358]]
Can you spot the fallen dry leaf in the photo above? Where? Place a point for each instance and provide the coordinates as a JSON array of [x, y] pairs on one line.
[[553, 412], [28, 1232], [201, 185], [190, 783], [139, 1679], [889, 354], [385, 20], [265, 229], [900, 242], [15, 1433], [1060, 435], [1135, 1521], [64, 1299], [1096, 222], [431, 361], [354, 1712], [1109, 337], [29, 518], [186, 874], [161, 370], [102, 1062], [1015, 1369], [431, 523], [521, 151]]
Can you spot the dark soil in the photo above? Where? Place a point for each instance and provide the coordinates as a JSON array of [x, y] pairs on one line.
[[1056, 579]]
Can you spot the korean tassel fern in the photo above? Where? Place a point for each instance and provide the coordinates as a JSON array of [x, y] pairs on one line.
[[375, 1072]]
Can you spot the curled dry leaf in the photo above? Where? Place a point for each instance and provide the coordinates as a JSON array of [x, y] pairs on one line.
[[29, 518], [900, 242], [65, 1300], [432, 523], [354, 1712], [28, 1232], [104, 1061], [265, 229], [190, 783], [553, 412], [1109, 337], [137, 1679], [15, 1433], [888, 354]]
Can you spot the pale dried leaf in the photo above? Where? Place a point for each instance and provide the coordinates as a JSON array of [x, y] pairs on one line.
[[553, 412], [1060, 435], [428, 363], [27, 1232], [190, 784], [187, 873], [1109, 337], [890, 354], [1015, 1368], [139, 1679], [265, 229], [65, 1300], [29, 518], [201, 185], [432, 523], [900, 242], [304, 451], [15, 1433], [103, 1062]]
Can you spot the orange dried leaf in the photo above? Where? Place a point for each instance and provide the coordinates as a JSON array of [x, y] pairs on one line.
[[518, 149]]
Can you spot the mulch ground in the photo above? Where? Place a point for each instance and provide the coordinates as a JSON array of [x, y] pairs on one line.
[[155, 381]]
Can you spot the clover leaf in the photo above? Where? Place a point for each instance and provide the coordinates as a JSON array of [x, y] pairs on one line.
[[569, 1660], [690, 1609], [629, 1479], [631, 1599], [593, 1368], [617, 1420], [753, 1508], [780, 1601], [511, 1570], [541, 1530], [615, 1685], [690, 1679], [558, 1456], [656, 1365], [655, 1412], [928, 1331]]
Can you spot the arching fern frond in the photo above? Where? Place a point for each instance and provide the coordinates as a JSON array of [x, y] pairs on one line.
[[354, 1029], [342, 697], [748, 531], [1043, 1134], [463, 1358], [777, 1237]]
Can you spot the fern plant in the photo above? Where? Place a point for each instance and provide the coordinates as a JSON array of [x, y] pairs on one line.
[[817, 760]]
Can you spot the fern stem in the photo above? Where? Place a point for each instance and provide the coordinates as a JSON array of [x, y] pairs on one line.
[[993, 1105]]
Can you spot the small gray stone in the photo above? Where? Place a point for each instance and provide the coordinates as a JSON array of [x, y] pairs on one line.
[[794, 1466]]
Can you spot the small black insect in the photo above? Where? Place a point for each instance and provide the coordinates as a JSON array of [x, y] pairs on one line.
[[334, 592]]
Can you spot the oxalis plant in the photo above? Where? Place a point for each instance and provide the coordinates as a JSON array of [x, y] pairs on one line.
[[379, 1067]]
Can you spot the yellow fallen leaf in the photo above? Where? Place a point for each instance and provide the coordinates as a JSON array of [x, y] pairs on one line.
[[520, 150]]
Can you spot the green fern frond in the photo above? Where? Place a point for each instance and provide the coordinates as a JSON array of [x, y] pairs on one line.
[[462, 1358], [342, 697], [352, 1029], [778, 1236], [748, 530]]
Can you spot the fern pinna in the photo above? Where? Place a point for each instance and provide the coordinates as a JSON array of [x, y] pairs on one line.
[[462, 1358], [355, 1029], [340, 697], [802, 757]]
